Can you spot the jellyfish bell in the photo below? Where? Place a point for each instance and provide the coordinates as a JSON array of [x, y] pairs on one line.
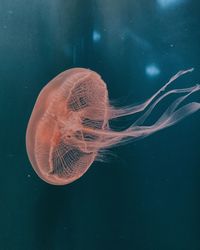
[[62, 122], [69, 124]]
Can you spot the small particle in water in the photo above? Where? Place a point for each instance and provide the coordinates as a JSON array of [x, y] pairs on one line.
[[152, 70], [10, 12], [96, 36], [10, 155]]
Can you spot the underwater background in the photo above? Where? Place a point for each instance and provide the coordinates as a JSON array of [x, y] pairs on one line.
[[146, 195]]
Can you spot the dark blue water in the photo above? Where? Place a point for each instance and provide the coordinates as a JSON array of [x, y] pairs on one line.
[[147, 196]]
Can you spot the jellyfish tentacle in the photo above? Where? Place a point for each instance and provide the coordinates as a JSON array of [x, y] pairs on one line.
[[170, 117], [175, 105], [183, 112], [144, 131], [113, 138], [136, 131], [116, 113], [190, 90]]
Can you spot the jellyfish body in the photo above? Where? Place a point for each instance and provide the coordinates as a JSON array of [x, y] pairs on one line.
[[69, 125]]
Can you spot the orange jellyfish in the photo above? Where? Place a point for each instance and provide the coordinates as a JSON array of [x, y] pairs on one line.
[[69, 125]]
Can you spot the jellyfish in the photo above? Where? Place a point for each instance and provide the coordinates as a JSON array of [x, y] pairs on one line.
[[70, 125]]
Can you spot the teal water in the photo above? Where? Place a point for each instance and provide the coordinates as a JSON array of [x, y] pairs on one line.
[[147, 195]]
